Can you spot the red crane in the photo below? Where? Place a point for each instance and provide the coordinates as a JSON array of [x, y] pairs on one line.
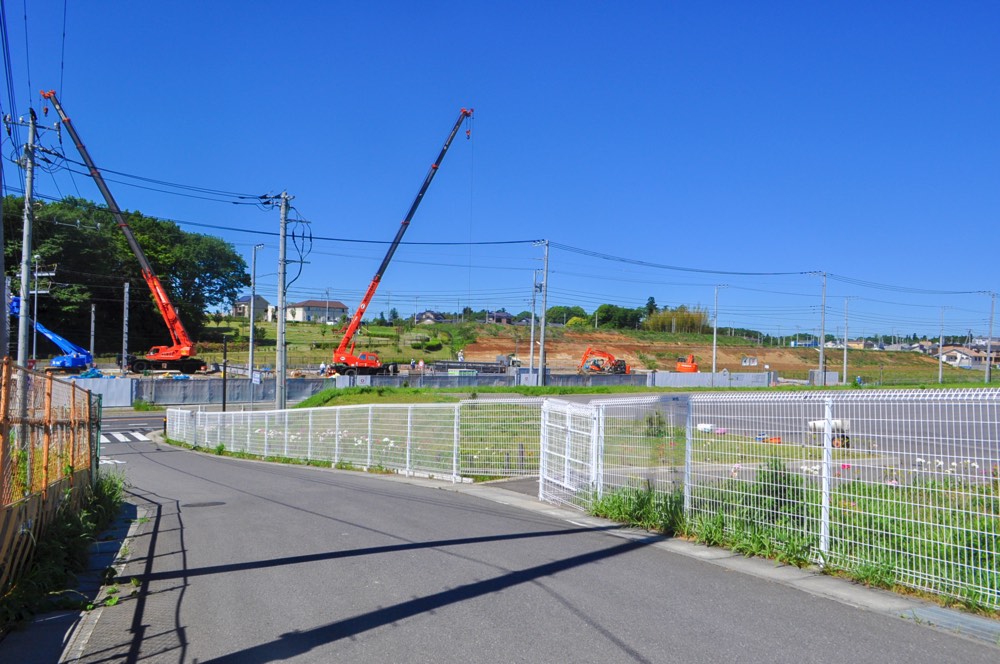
[[180, 355], [344, 359]]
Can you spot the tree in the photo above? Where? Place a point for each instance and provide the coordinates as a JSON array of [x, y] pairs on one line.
[[92, 258], [617, 317], [577, 323], [650, 306], [562, 314], [393, 315]]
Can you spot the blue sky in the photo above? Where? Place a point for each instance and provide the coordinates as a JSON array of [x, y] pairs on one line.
[[857, 139]]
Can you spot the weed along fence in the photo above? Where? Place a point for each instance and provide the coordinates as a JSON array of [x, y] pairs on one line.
[[488, 438], [891, 487], [48, 456]]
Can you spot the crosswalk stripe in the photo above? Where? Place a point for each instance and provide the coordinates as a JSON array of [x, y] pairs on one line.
[[124, 437]]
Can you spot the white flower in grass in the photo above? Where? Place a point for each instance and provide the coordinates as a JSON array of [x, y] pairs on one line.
[[974, 465], [938, 463], [920, 461], [954, 465], [386, 440]]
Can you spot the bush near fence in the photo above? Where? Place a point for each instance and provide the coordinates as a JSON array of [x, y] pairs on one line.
[[48, 456], [896, 488]]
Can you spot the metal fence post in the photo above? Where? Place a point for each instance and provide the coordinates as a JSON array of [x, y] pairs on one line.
[[543, 449], [336, 438], [688, 444], [824, 532], [285, 413], [309, 443], [409, 435], [371, 410], [597, 451], [454, 458], [267, 432]]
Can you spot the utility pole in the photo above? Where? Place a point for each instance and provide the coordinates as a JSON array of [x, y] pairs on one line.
[[715, 331], [941, 350], [93, 327], [125, 334], [989, 341], [280, 382], [22, 321], [225, 368], [253, 317], [846, 299], [34, 317], [531, 347], [822, 336], [545, 305]]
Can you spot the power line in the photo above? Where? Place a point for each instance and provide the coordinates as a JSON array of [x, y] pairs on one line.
[[633, 261]]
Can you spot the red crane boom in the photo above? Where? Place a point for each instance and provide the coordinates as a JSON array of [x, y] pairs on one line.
[[344, 359], [181, 354]]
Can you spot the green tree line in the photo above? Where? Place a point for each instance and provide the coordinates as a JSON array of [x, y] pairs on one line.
[[92, 261]]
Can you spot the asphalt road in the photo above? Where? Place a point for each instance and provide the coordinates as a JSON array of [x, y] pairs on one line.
[[248, 562]]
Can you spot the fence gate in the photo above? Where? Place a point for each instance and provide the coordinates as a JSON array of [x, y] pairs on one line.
[[570, 456]]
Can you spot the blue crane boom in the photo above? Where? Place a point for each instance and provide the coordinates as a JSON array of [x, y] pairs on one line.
[[75, 358]]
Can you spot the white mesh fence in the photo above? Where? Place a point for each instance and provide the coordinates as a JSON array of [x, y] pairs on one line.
[[490, 438], [894, 486], [897, 486]]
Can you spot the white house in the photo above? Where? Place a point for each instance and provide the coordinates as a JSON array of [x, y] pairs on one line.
[[964, 358]]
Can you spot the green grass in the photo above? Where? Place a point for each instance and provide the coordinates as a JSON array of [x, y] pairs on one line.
[[366, 395], [934, 534]]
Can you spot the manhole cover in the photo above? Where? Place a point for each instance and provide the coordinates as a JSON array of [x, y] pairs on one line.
[[208, 504]]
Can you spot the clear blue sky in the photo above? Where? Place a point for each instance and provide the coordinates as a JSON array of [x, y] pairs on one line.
[[858, 139]]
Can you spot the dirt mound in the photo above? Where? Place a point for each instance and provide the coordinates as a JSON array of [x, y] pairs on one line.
[[565, 349]]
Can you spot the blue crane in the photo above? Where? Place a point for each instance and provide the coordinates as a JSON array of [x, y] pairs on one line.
[[75, 359]]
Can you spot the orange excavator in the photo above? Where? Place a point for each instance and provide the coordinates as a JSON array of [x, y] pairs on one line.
[[686, 365], [600, 362], [366, 364], [179, 356]]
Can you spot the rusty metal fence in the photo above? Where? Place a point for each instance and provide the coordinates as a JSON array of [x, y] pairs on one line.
[[48, 455]]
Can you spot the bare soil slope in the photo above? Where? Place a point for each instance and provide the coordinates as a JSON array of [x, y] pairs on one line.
[[565, 349]]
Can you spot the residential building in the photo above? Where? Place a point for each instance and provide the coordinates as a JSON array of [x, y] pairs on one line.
[[241, 307], [501, 317], [429, 317], [311, 311], [964, 358]]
